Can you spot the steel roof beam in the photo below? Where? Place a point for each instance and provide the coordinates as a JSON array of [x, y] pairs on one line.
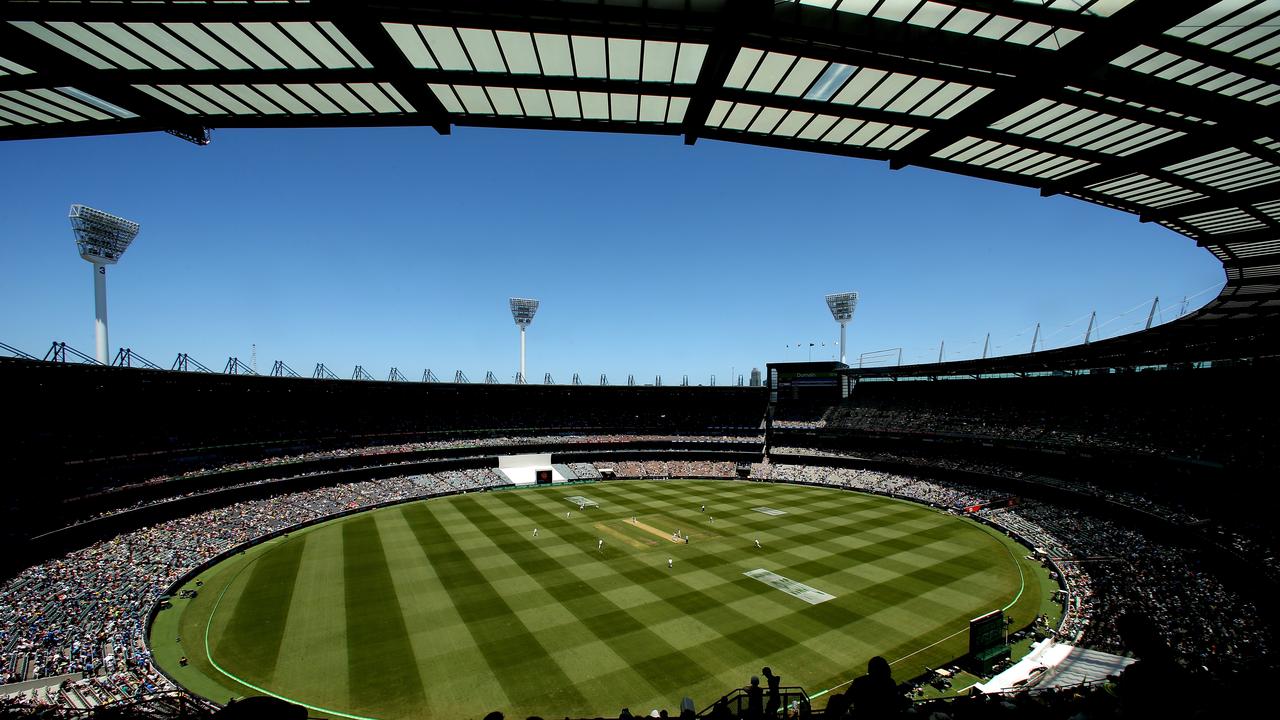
[[22, 48]]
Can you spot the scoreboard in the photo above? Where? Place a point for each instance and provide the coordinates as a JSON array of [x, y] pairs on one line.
[[986, 632]]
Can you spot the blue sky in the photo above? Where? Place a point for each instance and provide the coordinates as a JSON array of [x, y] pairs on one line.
[[399, 247]]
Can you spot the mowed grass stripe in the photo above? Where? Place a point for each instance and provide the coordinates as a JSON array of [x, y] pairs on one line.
[[906, 587], [250, 643], [382, 670], [904, 614], [692, 602], [652, 658], [515, 656], [316, 631], [440, 639]]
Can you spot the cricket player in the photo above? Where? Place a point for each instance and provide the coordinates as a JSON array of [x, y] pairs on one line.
[[600, 544], [669, 564], [758, 545], [535, 532]]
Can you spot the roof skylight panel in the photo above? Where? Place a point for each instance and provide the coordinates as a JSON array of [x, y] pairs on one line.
[[659, 61], [817, 127], [342, 95], [832, 79], [99, 45], [564, 104], [224, 99], [350, 50], [172, 45], [282, 45], [1254, 249], [1229, 220], [1223, 18], [888, 9], [10, 118], [595, 105], [653, 108], [193, 99], [60, 42], [446, 47], [374, 97], [482, 48], [770, 72], [74, 103], [887, 90], [314, 98], [801, 76], [474, 99], [407, 38], [624, 107], [971, 95], [965, 21], [18, 102], [914, 95], [624, 59], [861, 83], [792, 123], [447, 97], [136, 45], [517, 48], [505, 101], [8, 66], [719, 109], [280, 95], [317, 44], [208, 45], [744, 66], [231, 34], [554, 52], [689, 62], [930, 14], [676, 108], [766, 120], [944, 99], [249, 96], [167, 99], [589, 56], [841, 130], [740, 116], [877, 135]]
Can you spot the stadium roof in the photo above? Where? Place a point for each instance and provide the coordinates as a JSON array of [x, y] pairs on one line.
[[1163, 108]]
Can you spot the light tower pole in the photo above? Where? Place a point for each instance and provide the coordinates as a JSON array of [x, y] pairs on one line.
[[101, 239], [522, 311], [842, 306]]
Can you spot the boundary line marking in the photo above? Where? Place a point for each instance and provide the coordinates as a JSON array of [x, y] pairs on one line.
[[1022, 586], [209, 656]]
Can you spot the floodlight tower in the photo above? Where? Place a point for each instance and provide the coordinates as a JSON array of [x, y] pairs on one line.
[[842, 306], [101, 238], [522, 310]]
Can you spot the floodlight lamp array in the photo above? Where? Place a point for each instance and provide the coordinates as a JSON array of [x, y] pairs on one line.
[[523, 310], [842, 305], [101, 237]]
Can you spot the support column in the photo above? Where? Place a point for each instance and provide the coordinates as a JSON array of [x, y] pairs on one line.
[[103, 351]]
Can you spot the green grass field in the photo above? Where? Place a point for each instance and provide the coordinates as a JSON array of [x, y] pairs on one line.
[[451, 608]]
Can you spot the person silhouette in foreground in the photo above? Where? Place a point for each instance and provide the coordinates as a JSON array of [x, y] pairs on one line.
[[755, 699], [775, 696], [875, 695], [1144, 686]]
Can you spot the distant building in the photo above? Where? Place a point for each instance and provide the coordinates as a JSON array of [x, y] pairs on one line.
[[755, 377]]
